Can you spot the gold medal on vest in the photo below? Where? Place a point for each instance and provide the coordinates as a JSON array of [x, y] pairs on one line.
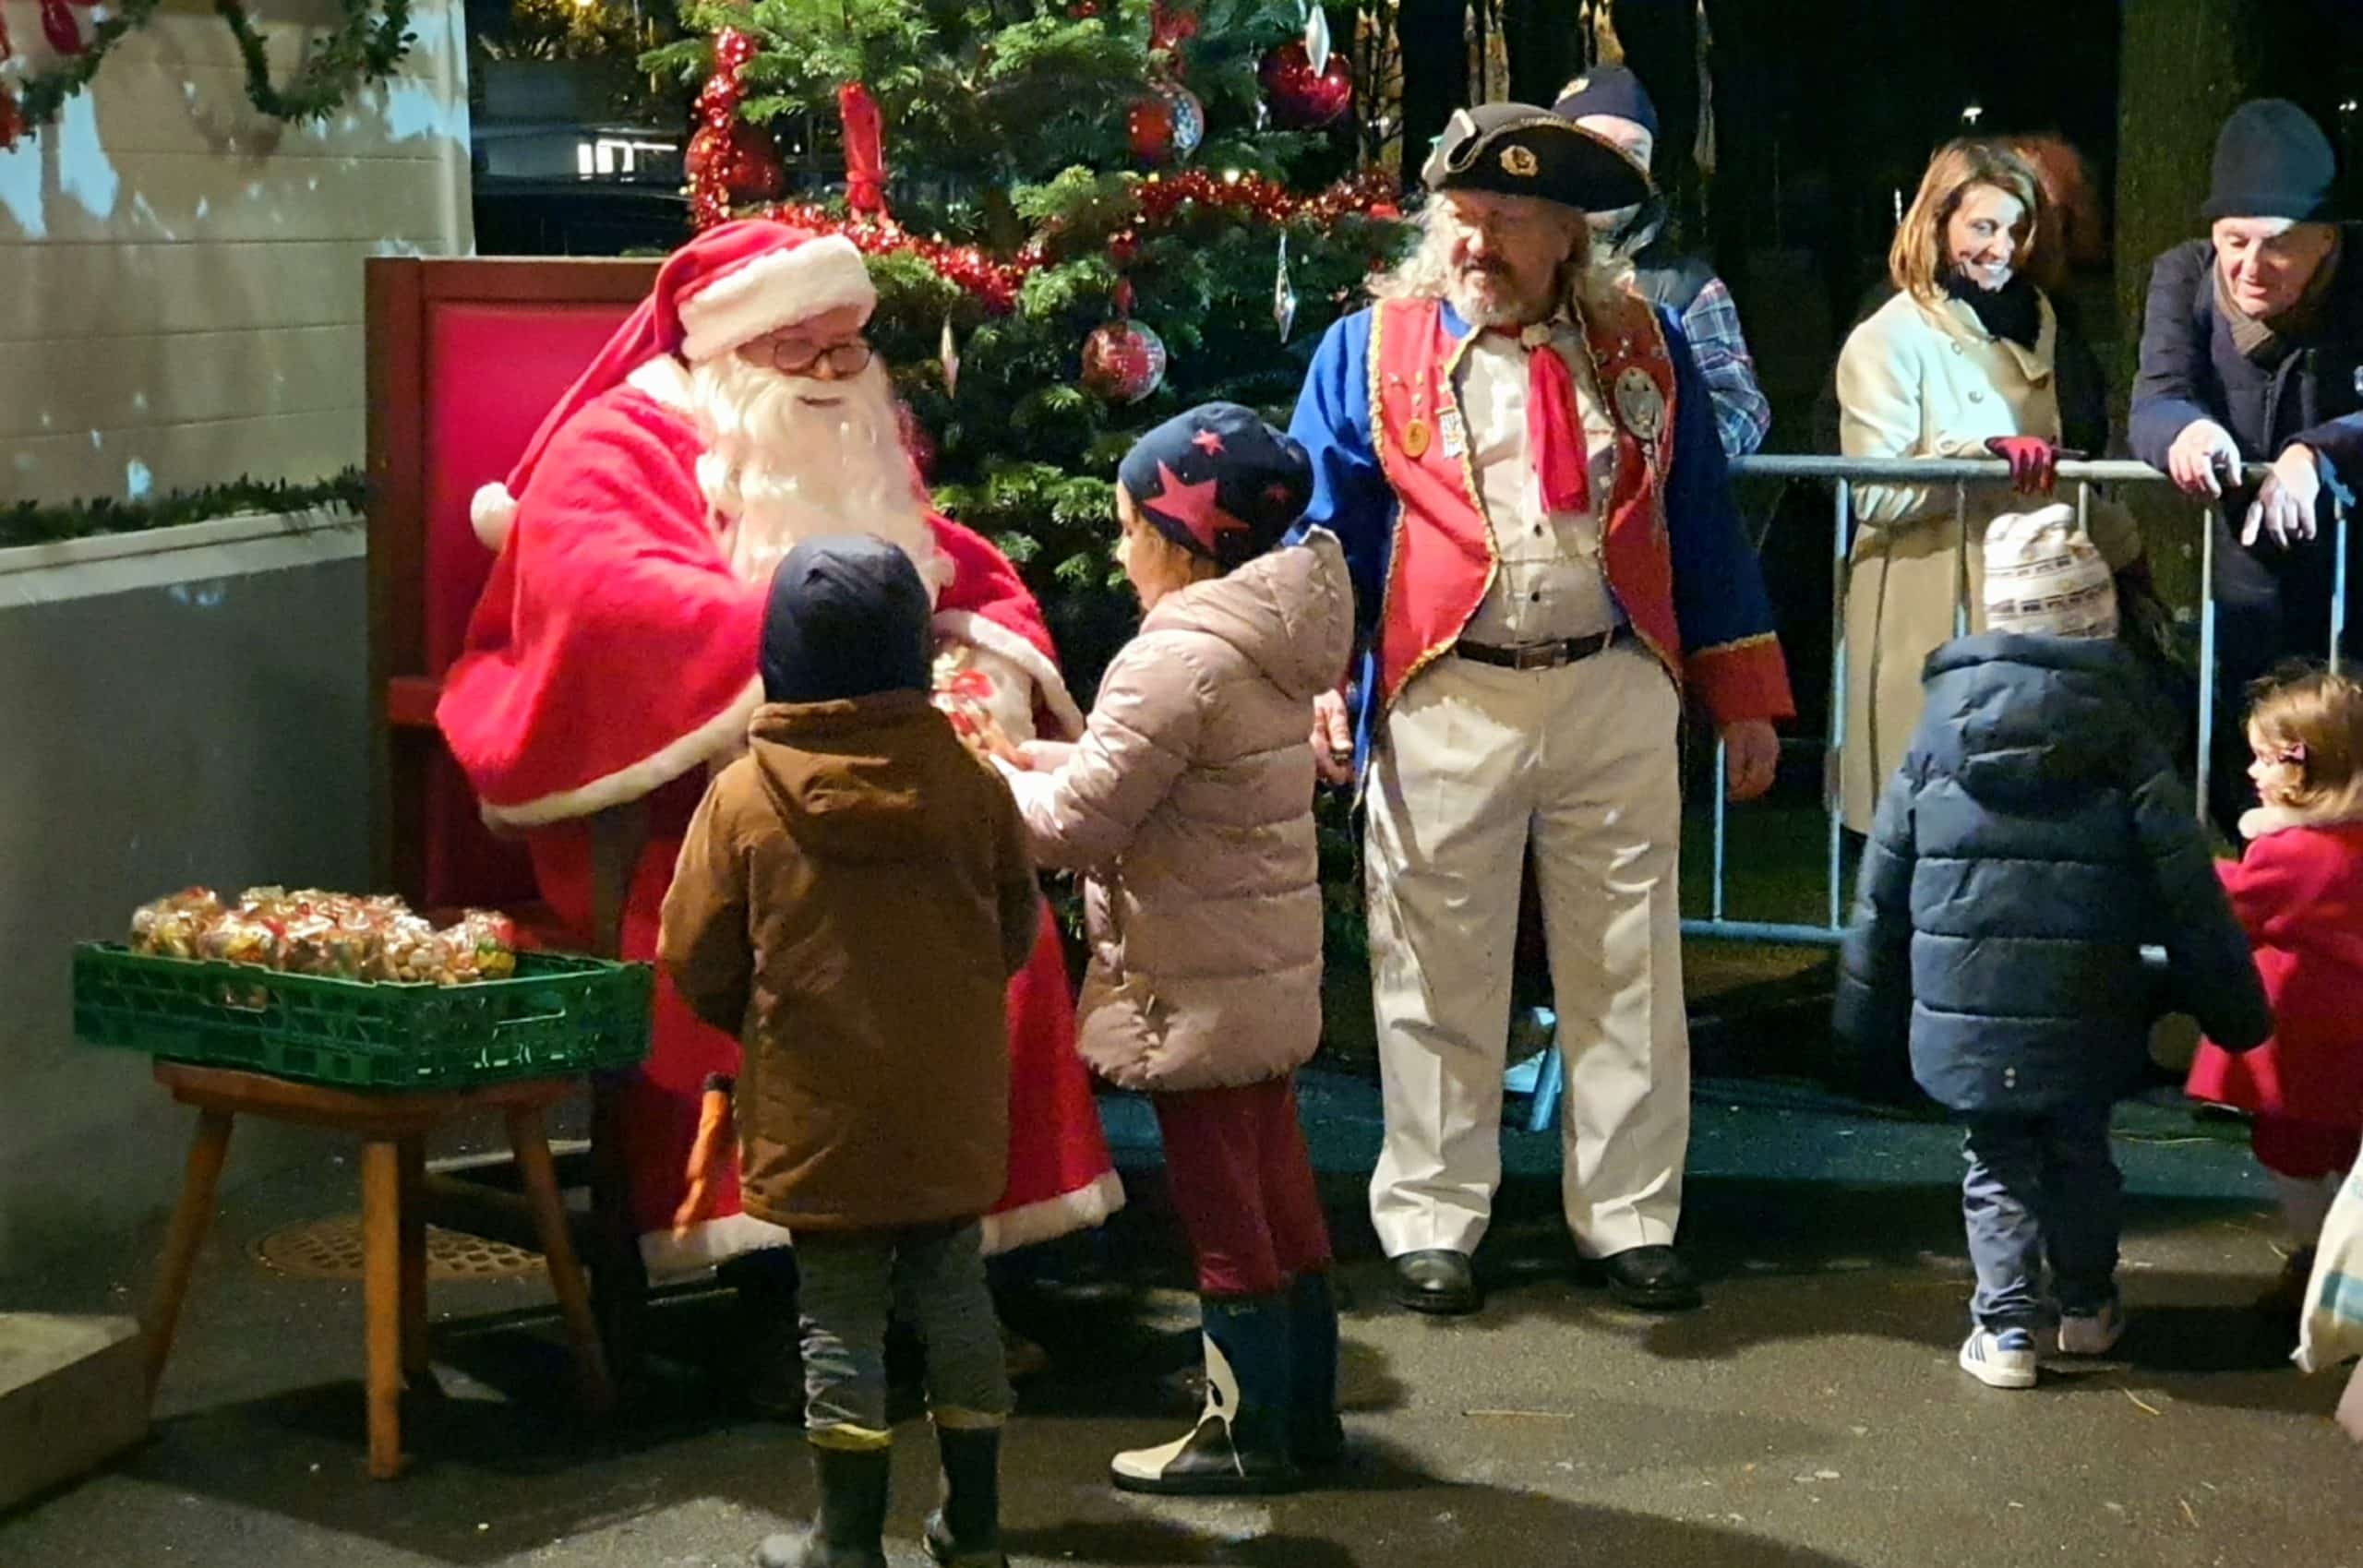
[[1415, 438]]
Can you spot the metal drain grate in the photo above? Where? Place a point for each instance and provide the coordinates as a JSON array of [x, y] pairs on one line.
[[330, 1248]]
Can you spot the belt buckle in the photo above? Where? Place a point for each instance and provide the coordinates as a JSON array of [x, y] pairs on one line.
[[1539, 655]]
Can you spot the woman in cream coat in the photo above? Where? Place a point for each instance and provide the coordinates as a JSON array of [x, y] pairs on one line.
[[1958, 365]]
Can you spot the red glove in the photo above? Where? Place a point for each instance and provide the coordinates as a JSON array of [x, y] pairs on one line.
[[2031, 458]]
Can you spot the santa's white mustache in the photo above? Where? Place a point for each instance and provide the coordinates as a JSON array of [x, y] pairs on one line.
[[790, 458]]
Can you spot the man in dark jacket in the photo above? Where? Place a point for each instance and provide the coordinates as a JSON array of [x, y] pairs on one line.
[[2035, 839], [2252, 353]]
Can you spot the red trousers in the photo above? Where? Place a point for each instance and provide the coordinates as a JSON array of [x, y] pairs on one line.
[[1242, 1186]]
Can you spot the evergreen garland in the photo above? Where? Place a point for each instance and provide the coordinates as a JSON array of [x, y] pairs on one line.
[[38, 522], [362, 51]]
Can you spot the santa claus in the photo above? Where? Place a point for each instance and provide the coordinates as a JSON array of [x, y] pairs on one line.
[[611, 664]]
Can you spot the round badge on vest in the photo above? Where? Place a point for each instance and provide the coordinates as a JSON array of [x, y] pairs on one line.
[[1639, 404]]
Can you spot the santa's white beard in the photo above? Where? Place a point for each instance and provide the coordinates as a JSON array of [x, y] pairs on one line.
[[780, 467]]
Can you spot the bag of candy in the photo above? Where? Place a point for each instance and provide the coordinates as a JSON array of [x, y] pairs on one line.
[[171, 925]]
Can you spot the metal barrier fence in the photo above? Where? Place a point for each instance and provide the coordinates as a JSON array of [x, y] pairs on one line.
[[1844, 473]]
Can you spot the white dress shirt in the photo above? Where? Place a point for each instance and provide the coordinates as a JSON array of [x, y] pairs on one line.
[[1549, 583]]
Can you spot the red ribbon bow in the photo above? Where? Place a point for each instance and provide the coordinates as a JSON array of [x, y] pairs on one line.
[[865, 148]]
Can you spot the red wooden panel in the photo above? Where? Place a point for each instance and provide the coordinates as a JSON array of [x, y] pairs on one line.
[[493, 370]]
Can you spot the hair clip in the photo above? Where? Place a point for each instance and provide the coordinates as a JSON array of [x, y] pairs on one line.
[[2294, 754]]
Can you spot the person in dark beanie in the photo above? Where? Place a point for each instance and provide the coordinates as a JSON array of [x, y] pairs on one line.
[[2252, 353], [857, 844], [1611, 102], [1189, 800]]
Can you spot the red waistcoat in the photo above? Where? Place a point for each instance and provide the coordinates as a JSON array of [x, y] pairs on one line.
[[1443, 561]]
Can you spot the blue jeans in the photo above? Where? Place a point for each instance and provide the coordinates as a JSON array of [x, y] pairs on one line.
[[933, 1278], [2041, 1187]]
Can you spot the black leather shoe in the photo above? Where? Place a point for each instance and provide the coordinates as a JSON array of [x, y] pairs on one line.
[[1654, 1279], [1436, 1281]]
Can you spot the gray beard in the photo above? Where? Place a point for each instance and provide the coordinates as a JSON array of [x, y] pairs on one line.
[[779, 470]]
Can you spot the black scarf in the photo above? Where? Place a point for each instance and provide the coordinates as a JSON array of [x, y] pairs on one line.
[[2013, 311]]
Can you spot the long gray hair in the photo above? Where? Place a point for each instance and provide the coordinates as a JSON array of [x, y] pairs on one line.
[[1425, 271]]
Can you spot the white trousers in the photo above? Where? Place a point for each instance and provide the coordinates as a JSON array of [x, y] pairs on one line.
[[1476, 763]]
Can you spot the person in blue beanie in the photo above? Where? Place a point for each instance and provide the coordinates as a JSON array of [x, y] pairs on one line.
[[2252, 353], [1610, 100]]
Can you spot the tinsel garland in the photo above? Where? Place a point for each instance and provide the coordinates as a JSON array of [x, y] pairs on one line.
[[361, 51], [1162, 202]]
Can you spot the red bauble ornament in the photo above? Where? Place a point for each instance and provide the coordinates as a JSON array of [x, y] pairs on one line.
[[737, 160], [1303, 98], [1122, 362], [1168, 125]]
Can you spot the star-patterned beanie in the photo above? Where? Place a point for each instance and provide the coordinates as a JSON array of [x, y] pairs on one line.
[[1219, 481]]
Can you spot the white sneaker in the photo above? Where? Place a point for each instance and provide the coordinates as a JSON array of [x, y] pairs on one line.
[[2095, 1335], [1999, 1360]]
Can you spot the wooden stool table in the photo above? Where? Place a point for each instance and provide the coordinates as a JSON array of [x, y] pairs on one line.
[[393, 1126]]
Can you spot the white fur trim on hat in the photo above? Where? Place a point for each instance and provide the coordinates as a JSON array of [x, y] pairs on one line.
[[490, 512], [777, 289]]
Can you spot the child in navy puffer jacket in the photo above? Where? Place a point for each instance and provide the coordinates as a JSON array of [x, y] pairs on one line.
[[2035, 839]]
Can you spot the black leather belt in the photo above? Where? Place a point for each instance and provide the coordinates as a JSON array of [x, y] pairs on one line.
[[1540, 655]]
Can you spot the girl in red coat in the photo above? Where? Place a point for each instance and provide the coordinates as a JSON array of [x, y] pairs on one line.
[[2298, 892]]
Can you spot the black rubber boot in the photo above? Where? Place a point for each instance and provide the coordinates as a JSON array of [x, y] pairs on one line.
[[1241, 1444], [1316, 1438], [850, 1532], [965, 1532]]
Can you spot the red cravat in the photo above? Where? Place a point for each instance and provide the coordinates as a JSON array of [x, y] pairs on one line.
[[1553, 435]]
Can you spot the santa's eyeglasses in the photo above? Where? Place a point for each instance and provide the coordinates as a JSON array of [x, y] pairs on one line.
[[791, 357]]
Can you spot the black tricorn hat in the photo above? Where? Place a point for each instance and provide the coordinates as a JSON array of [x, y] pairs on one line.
[[1522, 149]]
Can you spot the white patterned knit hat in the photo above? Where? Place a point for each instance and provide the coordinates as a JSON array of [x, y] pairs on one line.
[[2044, 577]]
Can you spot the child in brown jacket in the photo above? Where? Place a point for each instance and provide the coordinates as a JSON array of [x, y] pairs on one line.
[[856, 846]]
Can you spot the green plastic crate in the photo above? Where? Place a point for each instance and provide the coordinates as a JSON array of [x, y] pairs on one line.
[[557, 1015]]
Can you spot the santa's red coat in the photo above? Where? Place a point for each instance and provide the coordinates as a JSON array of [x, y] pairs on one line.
[[2298, 892], [611, 657]]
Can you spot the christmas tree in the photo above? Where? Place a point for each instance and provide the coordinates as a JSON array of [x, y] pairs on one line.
[[1083, 216]]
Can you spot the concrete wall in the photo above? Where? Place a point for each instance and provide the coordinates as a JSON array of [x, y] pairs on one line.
[[182, 297], [198, 717]]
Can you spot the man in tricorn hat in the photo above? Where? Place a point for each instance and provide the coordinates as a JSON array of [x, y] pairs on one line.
[[1522, 462]]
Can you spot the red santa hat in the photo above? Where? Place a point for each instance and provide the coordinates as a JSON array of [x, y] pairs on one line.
[[730, 285]]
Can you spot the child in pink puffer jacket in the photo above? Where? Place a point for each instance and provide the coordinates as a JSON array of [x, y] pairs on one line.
[[1189, 801]]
